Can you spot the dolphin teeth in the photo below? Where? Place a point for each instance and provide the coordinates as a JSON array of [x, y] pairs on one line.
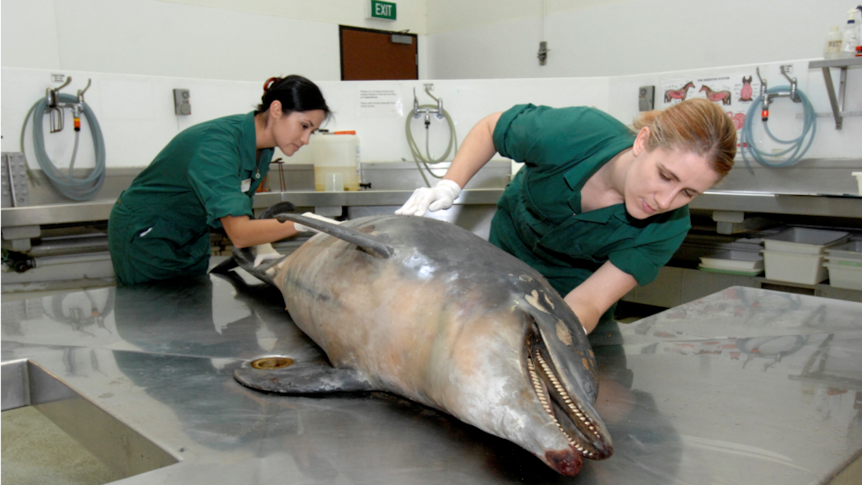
[[540, 392], [572, 406]]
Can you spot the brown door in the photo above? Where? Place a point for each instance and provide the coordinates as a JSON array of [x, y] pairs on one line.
[[371, 55]]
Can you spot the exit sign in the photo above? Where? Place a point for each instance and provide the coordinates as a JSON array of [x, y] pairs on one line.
[[382, 10]]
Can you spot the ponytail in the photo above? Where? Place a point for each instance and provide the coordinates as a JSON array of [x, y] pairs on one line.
[[295, 93]]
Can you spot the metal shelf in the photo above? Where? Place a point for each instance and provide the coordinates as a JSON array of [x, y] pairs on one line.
[[837, 102]]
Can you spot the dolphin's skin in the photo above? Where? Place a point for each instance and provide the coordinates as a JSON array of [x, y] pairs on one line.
[[431, 312]]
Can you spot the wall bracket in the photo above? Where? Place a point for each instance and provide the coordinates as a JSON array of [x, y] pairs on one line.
[[837, 102]]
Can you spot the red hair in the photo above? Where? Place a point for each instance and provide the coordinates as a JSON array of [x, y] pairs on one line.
[[696, 126]]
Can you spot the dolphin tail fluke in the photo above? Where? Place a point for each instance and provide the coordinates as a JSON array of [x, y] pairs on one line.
[[366, 242], [303, 378]]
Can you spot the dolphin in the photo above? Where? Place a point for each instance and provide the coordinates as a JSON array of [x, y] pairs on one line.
[[431, 312]]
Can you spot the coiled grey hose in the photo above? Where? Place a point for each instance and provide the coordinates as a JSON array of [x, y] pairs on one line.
[[417, 153], [69, 186]]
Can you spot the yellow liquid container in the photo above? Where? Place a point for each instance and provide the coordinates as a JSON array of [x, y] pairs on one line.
[[336, 161]]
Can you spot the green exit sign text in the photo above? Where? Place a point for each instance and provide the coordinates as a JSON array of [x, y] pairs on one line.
[[383, 10]]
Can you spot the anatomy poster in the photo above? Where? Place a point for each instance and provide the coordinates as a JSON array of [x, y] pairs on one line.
[[733, 92]]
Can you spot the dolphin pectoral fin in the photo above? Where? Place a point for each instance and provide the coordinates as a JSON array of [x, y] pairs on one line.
[[367, 243], [276, 209], [244, 257], [301, 379], [225, 266]]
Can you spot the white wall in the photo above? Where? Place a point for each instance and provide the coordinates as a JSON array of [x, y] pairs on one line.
[[590, 38], [160, 38], [251, 40], [137, 51], [785, 120], [411, 13], [136, 113]]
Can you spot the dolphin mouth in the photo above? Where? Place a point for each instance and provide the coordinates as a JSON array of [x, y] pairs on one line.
[[575, 419]]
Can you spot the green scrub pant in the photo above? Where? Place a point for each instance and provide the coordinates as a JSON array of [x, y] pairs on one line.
[[149, 250]]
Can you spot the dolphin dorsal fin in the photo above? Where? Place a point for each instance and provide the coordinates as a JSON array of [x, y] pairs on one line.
[[367, 243]]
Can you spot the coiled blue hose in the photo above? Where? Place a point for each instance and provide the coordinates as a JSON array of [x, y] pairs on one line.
[[797, 145], [66, 184]]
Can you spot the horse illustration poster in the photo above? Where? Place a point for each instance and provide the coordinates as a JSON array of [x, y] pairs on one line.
[[733, 92]]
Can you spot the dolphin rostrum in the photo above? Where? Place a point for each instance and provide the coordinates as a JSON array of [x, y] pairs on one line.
[[431, 312]]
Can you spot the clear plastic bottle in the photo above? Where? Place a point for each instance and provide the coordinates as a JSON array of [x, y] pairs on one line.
[[832, 49], [850, 38]]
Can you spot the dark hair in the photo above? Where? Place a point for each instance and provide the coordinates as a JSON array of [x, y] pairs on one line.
[[295, 93]]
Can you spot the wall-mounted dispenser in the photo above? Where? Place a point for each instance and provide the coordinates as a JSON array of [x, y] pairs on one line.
[[646, 98], [182, 102]]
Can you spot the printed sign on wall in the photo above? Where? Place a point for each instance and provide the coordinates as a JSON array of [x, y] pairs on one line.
[[733, 92]]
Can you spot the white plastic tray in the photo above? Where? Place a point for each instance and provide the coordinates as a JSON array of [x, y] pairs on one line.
[[843, 276], [733, 261], [802, 240], [843, 261], [849, 250], [807, 269]]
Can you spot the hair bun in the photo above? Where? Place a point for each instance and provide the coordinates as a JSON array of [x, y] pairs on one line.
[[269, 82]]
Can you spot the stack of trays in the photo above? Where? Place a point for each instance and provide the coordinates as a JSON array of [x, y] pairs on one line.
[[844, 263], [733, 262], [796, 254]]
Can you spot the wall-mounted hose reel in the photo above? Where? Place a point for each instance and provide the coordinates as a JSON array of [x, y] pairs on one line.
[[427, 110], [797, 146], [53, 104]]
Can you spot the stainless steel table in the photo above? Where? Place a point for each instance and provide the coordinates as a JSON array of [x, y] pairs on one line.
[[743, 386]]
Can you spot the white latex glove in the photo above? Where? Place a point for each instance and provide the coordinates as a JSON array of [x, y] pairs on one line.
[[301, 228], [264, 252], [442, 196]]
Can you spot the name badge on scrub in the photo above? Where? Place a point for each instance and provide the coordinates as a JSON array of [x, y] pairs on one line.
[[246, 185]]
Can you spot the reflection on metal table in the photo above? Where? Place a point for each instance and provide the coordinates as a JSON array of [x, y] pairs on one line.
[[743, 386]]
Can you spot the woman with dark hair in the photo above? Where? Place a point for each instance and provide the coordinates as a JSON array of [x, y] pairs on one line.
[[205, 178]]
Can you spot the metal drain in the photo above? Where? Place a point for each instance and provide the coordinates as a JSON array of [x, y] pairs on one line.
[[269, 363]]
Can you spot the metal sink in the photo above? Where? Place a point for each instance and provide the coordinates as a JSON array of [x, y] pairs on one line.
[[122, 449]]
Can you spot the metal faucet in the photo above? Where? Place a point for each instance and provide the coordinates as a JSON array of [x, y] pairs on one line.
[[78, 108], [56, 108], [417, 113], [765, 97]]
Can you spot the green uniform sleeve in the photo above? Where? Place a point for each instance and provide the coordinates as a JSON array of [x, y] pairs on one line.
[[653, 248], [214, 173], [543, 136]]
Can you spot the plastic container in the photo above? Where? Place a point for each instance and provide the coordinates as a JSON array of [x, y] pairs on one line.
[[843, 261], [806, 269], [851, 250], [850, 37], [832, 49], [802, 240], [733, 261], [844, 276], [336, 154]]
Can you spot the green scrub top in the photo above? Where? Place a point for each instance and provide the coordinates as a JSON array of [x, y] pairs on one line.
[[539, 218], [159, 227]]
